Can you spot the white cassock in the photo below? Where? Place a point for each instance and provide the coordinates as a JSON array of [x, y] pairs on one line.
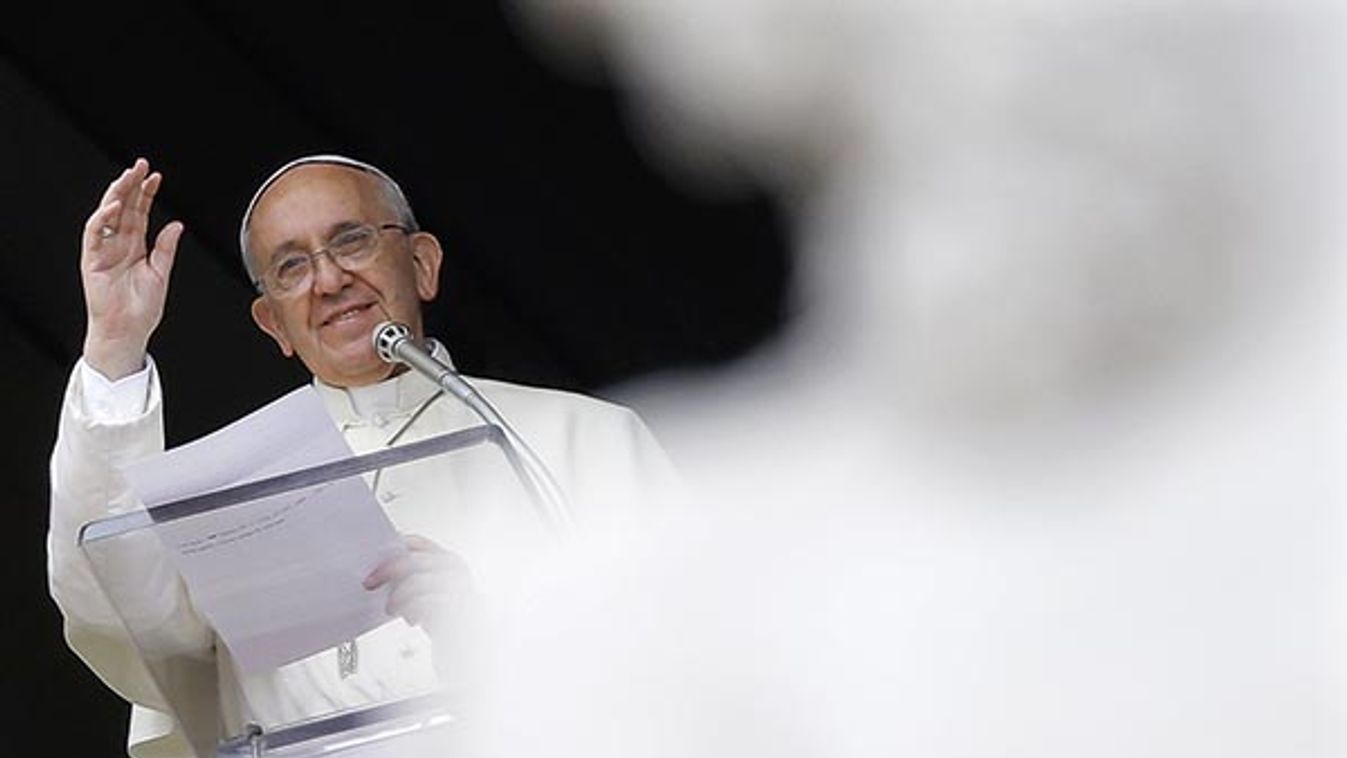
[[602, 455]]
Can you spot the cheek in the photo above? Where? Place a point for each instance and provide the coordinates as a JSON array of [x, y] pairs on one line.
[[400, 285], [292, 321]]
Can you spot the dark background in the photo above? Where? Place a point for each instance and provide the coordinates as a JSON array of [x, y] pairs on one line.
[[570, 261]]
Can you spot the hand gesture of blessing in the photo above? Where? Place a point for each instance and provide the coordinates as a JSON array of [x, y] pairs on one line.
[[124, 283]]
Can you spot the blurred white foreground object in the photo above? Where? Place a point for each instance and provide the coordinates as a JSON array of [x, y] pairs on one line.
[[1049, 463]]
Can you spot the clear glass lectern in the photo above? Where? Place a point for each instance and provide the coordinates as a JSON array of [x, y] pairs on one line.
[[465, 490]]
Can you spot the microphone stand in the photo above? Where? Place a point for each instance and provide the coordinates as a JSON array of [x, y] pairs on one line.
[[393, 343]]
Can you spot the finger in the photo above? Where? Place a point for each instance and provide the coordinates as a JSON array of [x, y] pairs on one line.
[[385, 572], [120, 189], [129, 177], [417, 542], [105, 216], [148, 188], [131, 188], [394, 570], [166, 248], [116, 187], [144, 199], [399, 565], [136, 219], [420, 562]]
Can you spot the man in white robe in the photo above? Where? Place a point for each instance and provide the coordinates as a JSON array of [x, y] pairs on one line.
[[334, 249]]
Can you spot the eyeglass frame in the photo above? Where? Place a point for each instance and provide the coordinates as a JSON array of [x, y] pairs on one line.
[[312, 255]]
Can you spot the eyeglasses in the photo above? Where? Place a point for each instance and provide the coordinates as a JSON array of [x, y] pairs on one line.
[[350, 249]]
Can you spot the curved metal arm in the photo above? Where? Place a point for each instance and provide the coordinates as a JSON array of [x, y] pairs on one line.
[[394, 344]]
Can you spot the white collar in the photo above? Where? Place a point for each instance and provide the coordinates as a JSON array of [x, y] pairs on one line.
[[372, 403]]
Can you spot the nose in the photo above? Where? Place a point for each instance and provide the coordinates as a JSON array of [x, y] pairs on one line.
[[328, 277]]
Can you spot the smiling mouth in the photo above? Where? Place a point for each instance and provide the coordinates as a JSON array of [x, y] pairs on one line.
[[347, 314]]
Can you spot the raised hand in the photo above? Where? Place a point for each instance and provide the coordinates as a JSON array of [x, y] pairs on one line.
[[125, 283]]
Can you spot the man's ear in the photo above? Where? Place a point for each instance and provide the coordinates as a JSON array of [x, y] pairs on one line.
[[426, 258], [265, 319]]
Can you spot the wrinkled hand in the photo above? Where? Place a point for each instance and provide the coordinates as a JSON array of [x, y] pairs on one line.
[[430, 587], [124, 283]]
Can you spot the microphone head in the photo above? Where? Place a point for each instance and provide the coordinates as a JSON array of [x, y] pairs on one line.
[[387, 336]]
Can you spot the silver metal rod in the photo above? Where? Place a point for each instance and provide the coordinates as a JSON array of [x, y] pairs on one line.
[[394, 344]]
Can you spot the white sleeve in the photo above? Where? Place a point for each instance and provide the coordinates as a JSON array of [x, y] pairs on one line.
[[102, 426], [109, 402]]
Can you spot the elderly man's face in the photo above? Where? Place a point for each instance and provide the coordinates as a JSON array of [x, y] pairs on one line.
[[328, 324]]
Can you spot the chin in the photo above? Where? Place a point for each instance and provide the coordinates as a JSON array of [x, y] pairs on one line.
[[352, 371], [347, 379]]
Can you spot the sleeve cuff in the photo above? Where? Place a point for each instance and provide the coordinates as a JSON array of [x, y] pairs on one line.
[[110, 402]]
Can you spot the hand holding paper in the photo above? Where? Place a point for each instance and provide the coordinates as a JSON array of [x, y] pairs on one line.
[[279, 577]]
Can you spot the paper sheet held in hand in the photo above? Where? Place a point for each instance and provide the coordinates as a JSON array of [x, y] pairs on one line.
[[279, 578]]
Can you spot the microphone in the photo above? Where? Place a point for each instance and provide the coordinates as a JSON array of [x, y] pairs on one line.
[[394, 344]]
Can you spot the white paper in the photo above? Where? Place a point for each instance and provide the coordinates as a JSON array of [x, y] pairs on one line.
[[278, 578]]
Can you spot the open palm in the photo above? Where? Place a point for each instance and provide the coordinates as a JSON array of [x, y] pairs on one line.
[[125, 283]]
